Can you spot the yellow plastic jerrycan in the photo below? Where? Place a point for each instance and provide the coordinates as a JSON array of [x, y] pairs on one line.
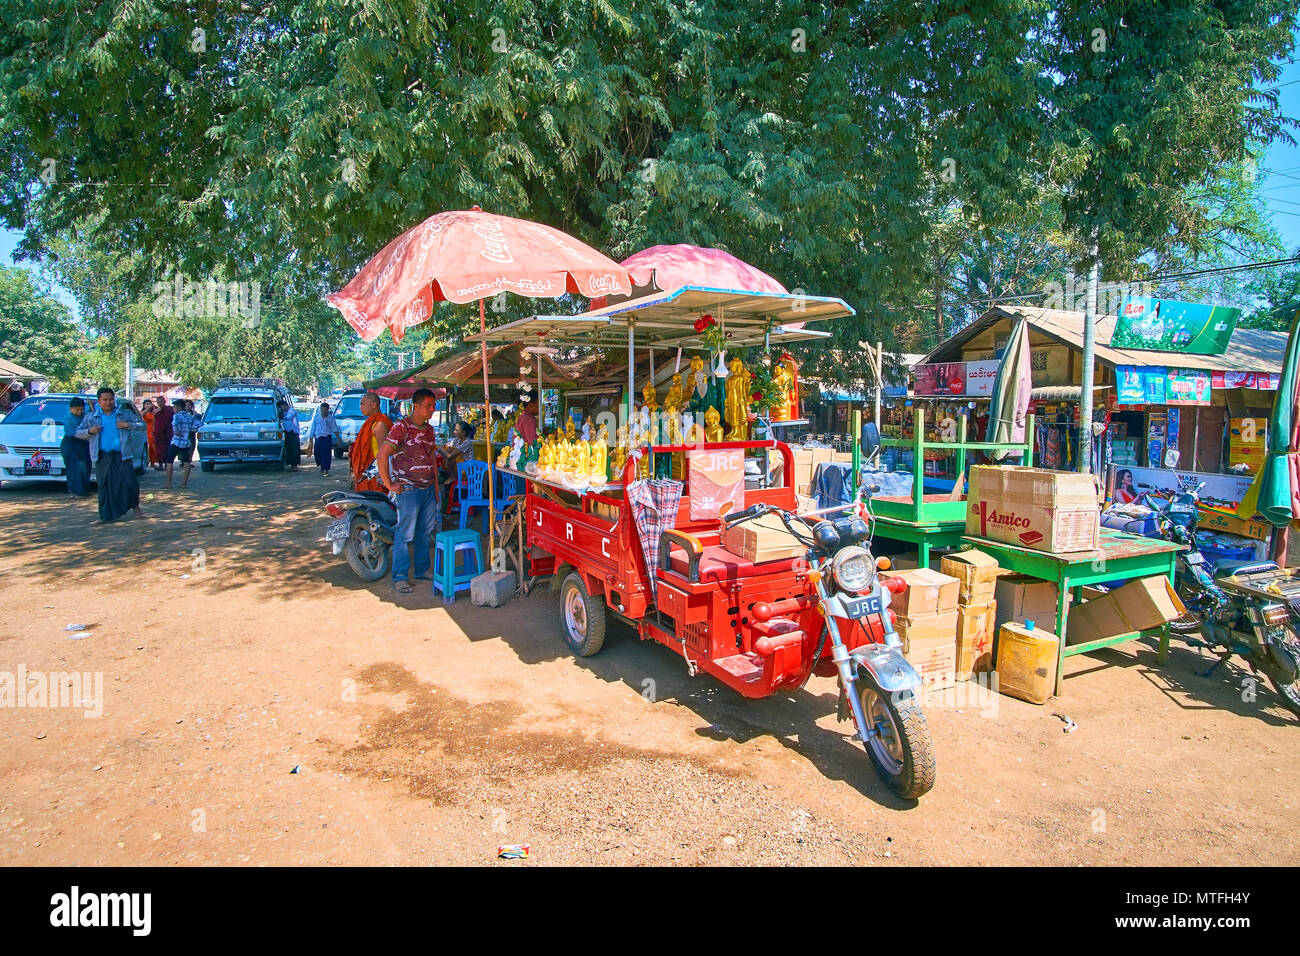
[[1026, 662]]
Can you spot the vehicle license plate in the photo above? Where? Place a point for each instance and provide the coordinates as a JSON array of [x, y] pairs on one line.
[[340, 529], [862, 606], [241, 454], [36, 466]]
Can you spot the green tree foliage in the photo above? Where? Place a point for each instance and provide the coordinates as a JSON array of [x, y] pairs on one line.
[[36, 329], [900, 154]]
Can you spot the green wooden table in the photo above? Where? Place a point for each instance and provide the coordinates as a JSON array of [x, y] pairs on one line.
[[1120, 557]]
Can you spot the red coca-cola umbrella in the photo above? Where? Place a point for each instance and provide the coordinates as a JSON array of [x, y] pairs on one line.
[[668, 267], [466, 256]]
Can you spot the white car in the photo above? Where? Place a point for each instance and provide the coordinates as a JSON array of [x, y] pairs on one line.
[[30, 435]]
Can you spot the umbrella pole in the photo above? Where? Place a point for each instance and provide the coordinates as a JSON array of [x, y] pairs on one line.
[[487, 435]]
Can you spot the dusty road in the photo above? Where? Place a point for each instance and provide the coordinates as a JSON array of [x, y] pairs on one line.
[[234, 647]]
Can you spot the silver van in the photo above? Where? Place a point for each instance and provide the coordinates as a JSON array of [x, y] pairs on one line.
[[242, 424]]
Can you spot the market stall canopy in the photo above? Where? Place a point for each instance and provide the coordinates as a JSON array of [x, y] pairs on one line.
[[668, 267], [467, 256], [1249, 350], [465, 368], [12, 370], [663, 320]]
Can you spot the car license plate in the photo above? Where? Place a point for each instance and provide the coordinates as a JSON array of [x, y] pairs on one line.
[[340, 529], [1195, 557], [862, 606], [241, 454], [36, 466]]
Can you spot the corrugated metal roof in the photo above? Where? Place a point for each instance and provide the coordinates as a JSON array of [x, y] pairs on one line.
[[1249, 350]]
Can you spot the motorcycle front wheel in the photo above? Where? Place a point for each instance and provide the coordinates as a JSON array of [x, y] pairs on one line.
[[1288, 690], [900, 750]]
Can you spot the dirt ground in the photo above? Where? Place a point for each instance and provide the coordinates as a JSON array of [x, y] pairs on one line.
[[234, 648]]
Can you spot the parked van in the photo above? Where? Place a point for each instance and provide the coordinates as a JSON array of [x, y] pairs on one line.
[[350, 419], [242, 424]]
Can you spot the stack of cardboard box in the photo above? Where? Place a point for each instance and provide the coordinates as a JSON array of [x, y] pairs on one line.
[[977, 577], [927, 622]]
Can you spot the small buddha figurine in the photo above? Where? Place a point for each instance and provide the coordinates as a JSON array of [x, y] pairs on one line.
[[697, 384], [737, 400], [712, 425], [619, 461], [599, 466], [673, 436], [784, 381], [650, 396], [692, 430], [579, 459], [674, 396], [503, 457], [570, 430], [544, 454]]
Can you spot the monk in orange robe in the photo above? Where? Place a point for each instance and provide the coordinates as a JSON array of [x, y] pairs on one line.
[[366, 446]]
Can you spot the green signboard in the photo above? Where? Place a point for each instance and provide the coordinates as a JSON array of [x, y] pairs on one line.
[[1163, 324]]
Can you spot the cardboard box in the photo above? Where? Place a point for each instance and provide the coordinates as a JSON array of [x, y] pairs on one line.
[[763, 539], [976, 626], [1020, 598], [1210, 519], [1138, 606], [1054, 511], [927, 627], [935, 659], [927, 592], [977, 574]]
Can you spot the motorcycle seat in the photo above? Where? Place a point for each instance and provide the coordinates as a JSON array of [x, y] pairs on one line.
[[371, 495], [1225, 568], [719, 566]]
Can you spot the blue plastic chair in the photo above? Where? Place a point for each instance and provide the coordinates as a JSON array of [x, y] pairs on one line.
[[511, 486], [470, 478]]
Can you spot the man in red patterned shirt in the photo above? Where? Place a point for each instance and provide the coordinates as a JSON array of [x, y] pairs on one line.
[[408, 468]]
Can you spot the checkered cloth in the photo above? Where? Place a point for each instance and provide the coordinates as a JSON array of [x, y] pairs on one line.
[[654, 504]]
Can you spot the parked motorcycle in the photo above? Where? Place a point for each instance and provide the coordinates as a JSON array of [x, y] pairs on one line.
[[1237, 606], [878, 686], [362, 530]]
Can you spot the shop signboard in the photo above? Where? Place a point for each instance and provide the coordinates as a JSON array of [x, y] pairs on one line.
[[1146, 322], [1187, 386]]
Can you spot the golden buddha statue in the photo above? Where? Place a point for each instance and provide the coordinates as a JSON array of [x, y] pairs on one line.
[[599, 464], [570, 430], [504, 457], [544, 454], [696, 382], [784, 381], [579, 459], [672, 420], [712, 425], [674, 396], [650, 396], [619, 461], [737, 400]]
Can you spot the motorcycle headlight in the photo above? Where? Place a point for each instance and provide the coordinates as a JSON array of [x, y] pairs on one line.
[[853, 569]]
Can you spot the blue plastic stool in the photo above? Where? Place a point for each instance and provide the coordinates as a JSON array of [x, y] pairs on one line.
[[470, 477], [446, 546]]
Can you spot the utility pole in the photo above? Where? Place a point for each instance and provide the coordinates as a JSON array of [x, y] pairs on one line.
[[1089, 360]]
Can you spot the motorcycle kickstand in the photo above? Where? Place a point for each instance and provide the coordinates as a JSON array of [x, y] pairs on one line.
[[1215, 666]]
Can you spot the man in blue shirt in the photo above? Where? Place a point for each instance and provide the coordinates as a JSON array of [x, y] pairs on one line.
[[112, 432]]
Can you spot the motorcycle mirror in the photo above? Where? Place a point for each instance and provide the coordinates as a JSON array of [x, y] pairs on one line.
[[1171, 458]]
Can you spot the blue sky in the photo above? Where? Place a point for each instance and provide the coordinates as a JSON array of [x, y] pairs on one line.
[[1280, 171]]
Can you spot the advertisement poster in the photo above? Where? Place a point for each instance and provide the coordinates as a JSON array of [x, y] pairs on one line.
[[1187, 386], [1246, 442], [1261, 380], [1148, 323], [956, 378], [717, 482], [1156, 423], [1141, 385], [1218, 488]]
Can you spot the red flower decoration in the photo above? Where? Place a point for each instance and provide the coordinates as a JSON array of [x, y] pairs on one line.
[[699, 325], [757, 396], [706, 320]]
